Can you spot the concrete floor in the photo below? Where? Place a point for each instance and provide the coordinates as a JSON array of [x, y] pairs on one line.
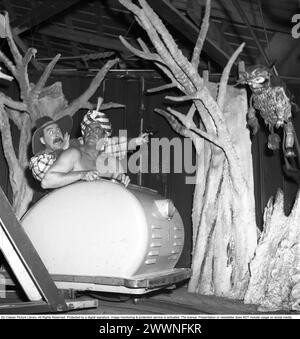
[[177, 301], [163, 302]]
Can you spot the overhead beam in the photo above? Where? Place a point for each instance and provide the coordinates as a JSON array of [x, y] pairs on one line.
[[226, 10], [20, 43], [24, 48], [288, 64], [243, 15], [281, 47], [281, 44], [215, 46], [37, 15], [48, 9], [47, 44], [75, 49], [215, 31], [85, 38]]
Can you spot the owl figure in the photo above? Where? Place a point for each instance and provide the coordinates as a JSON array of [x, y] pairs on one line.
[[273, 105]]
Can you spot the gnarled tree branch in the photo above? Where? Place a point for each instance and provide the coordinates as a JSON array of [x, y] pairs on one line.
[[22, 72], [190, 125], [202, 36], [139, 53], [161, 88], [8, 64], [17, 105], [44, 77], [191, 78], [8, 147], [82, 100], [225, 76], [13, 47], [177, 126]]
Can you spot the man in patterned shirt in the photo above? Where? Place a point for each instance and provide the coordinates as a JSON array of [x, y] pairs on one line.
[[52, 137], [48, 141], [83, 163]]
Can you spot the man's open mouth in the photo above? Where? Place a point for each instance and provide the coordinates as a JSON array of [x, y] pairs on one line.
[[57, 140]]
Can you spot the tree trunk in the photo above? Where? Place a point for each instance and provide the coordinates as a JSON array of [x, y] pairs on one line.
[[275, 269], [23, 197], [223, 211], [37, 101], [22, 191], [225, 237]]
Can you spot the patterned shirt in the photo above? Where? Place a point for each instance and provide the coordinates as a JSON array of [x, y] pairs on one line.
[[41, 162]]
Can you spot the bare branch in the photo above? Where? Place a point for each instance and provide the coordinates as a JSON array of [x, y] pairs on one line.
[[146, 49], [191, 77], [8, 147], [209, 138], [14, 109], [143, 45], [82, 100], [8, 64], [166, 56], [15, 116], [205, 116], [176, 125], [44, 77], [212, 109], [128, 4], [191, 112], [141, 54], [202, 36], [12, 45], [180, 99], [170, 75], [25, 136], [161, 88], [22, 72], [17, 105], [190, 125], [28, 56], [225, 76]]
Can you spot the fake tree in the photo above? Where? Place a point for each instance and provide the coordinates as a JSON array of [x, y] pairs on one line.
[[224, 227], [37, 100], [226, 259]]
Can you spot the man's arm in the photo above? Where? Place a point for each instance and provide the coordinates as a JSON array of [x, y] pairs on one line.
[[118, 147], [40, 163], [62, 173], [139, 141]]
